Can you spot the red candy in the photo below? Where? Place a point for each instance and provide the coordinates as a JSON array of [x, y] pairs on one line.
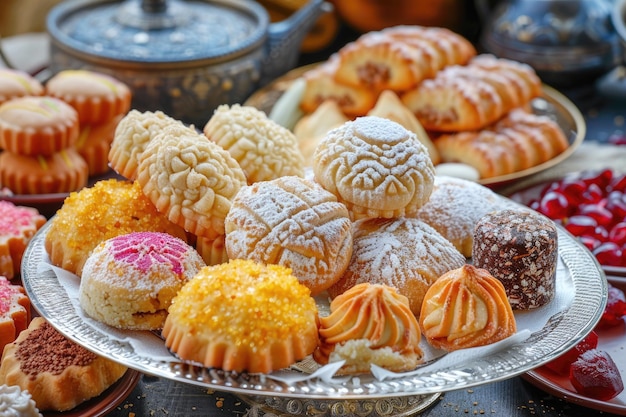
[[615, 309], [591, 206], [595, 375], [561, 365]]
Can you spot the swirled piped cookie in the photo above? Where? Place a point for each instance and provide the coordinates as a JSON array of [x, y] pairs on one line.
[[466, 307], [243, 315], [370, 324], [264, 149], [128, 281], [376, 167], [403, 252], [292, 222], [191, 180]]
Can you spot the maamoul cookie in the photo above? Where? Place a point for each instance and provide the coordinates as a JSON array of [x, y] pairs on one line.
[[97, 97], [132, 135], [403, 252], [16, 402], [14, 311], [58, 373], [264, 149], [94, 144], [60, 172], [376, 167], [261, 320], [191, 180], [454, 208], [292, 222], [92, 215], [213, 251], [36, 126], [16, 83], [520, 248], [370, 324], [466, 307], [128, 281], [18, 224]]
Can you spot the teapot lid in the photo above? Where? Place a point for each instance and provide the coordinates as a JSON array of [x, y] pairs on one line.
[[153, 31]]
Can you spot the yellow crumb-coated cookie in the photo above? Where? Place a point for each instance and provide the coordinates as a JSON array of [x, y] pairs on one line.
[[92, 215], [243, 315], [264, 149]]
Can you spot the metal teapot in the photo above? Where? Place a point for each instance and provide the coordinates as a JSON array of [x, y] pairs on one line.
[[182, 57], [566, 41]]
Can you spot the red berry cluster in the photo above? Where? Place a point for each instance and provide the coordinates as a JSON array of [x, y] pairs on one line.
[[592, 206]]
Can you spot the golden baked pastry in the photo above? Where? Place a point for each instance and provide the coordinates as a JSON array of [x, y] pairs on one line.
[[321, 86], [58, 373], [466, 307], [518, 141], [403, 252], [213, 251], [128, 281], [14, 311], [471, 97], [92, 215], [17, 83], [264, 149], [293, 222], [97, 97], [454, 208], [376, 167], [262, 320], [311, 128], [132, 134], [60, 172], [389, 106], [519, 247], [94, 144], [34, 126], [370, 324], [191, 180], [18, 224]]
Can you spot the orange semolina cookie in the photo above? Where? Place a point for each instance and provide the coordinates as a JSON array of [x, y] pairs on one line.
[[37, 126], [92, 215], [14, 311], [15, 83], [94, 143], [243, 316], [466, 307], [58, 373], [61, 172], [97, 97], [18, 225], [370, 324]]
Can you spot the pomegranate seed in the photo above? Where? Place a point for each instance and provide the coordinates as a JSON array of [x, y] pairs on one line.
[[594, 374], [616, 203], [600, 178], [608, 253], [617, 139], [554, 205], [617, 234], [573, 190], [590, 242], [619, 183], [581, 225], [601, 214], [561, 365], [593, 194], [615, 309]]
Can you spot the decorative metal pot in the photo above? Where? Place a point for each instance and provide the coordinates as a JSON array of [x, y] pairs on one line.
[[182, 57]]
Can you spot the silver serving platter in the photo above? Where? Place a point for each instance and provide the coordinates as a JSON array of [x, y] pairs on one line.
[[561, 332]]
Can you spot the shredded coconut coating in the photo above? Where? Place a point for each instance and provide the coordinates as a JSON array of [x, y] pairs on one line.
[[14, 402], [264, 149], [519, 247], [92, 215], [132, 135], [292, 222], [376, 167], [243, 315], [404, 253], [191, 180], [376, 313], [466, 307]]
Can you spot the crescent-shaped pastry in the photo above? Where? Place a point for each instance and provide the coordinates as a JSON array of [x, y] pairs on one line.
[[466, 307]]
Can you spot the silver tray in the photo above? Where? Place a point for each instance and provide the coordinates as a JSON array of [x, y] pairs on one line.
[[561, 332]]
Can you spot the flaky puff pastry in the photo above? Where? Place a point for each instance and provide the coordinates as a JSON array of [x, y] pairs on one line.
[[370, 324], [376, 167], [466, 307]]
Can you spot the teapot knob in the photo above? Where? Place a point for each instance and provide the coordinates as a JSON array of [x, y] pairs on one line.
[[154, 6], [153, 14]]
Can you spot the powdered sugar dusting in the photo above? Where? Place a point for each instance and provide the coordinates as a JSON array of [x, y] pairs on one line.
[[144, 249], [14, 219]]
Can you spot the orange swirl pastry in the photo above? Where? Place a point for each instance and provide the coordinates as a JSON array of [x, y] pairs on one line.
[[466, 307], [370, 324]]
